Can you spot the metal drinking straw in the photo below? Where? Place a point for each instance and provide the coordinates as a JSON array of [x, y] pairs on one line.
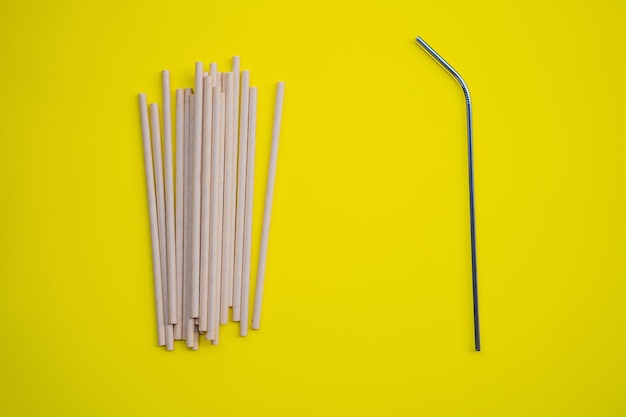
[[470, 157]]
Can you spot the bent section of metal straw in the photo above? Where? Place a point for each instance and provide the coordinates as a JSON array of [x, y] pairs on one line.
[[470, 156]]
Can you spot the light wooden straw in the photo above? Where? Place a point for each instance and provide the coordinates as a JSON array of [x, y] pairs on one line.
[[213, 226], [267, 213], [229, 241], [158, 174], [234, 103], [249, 197], [203, 322], [180, 157], [185, 233], [235, 140], [196, 193], [241, 194], [154, 225], [220, 210], [169, 200], [189, 327]]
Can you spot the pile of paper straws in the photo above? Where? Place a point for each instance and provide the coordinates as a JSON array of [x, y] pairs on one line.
[[201, 206]]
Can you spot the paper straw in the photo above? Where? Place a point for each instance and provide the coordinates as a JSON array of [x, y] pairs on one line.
[[229, 171], [267, 214], [241, 194], [180, 158], [154, 228], [220, 210], [160, 193], [196, 193], [249, 198], [189, 326], [203, 322], [215, 242], [170, 225]]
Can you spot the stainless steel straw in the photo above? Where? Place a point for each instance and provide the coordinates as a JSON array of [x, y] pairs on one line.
[[470, 157]]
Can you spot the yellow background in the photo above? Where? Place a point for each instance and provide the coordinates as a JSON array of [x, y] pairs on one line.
[[368, 296]]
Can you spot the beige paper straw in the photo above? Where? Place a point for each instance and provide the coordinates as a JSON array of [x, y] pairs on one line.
[[249, 198], [160, 193], [185, 233], [228, 237], [154, 227], [234, 126], [203, 321], [189, 144], [241, 194], [196, 167], [235, 141], [215, 242], [170, 225], [220, 210], [180, 157], [267, 213]]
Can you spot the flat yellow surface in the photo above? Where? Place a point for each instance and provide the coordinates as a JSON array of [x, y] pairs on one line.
[[368, 296]]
